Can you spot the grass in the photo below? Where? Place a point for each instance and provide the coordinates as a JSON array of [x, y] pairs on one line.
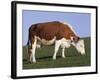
[[44, 57]]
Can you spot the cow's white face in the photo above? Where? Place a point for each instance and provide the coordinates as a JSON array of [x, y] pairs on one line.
[[80, 46]]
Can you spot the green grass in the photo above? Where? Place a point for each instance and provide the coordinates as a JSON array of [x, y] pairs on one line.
[[44, 57]]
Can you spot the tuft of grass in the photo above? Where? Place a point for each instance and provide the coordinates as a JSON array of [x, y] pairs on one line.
[[44, 57]]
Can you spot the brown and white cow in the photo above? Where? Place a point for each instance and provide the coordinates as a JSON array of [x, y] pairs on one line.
[[54, 32]]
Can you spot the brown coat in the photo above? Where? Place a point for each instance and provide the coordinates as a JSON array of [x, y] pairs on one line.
[[49, 30]]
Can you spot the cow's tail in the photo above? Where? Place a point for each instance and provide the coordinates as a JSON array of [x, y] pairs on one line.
[[28, 42], [28, 45], [27, 50]]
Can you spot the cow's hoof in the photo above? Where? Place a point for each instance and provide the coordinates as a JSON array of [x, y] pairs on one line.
[[63, 57], [83, 54], [54, 58]]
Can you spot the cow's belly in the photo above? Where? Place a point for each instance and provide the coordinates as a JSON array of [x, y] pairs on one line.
[[47, 42]]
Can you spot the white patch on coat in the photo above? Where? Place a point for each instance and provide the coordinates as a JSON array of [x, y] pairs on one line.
[[33, 50], [65, 43], [47, 42]]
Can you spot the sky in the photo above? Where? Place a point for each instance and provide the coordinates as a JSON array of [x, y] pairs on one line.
[[79, 21]]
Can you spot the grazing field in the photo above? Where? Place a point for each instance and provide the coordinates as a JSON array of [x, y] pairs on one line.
[[44, 57]]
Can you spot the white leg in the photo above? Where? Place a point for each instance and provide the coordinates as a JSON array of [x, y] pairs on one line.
[[33, 50], [57, 45], [63, 52]]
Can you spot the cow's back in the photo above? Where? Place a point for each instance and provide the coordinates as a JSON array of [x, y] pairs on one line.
[[49, 30]]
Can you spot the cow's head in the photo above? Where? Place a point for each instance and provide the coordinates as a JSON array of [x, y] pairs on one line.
[[80, 46]]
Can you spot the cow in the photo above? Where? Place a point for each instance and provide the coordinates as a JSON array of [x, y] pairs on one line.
[[55, 32]]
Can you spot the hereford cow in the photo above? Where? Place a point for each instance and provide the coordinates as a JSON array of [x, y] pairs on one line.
[[54, 32]]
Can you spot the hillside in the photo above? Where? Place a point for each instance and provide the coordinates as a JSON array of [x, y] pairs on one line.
[[44, 57]]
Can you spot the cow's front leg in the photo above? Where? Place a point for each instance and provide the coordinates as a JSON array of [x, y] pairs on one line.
[[33, 49], [63, 52], [57, 45]]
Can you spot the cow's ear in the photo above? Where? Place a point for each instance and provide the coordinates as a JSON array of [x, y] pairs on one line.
[[78, 38]]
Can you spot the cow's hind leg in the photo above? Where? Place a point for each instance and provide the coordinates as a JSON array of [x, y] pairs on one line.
[[29, 44], [57, 45], [30, 53], [32, 56]]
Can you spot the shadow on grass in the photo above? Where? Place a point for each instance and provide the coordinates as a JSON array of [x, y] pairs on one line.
[[47, 58]]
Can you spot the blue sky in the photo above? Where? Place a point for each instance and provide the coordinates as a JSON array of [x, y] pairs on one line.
[[79, 21]]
